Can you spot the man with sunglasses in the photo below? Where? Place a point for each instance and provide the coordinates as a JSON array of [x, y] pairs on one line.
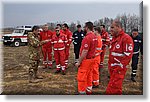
[[59, 42]]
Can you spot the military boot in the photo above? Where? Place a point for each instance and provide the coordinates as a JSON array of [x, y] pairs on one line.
[[36, 76], [32, 78]]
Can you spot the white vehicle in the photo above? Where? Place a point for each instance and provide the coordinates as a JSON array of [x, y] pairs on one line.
[[18, 37]]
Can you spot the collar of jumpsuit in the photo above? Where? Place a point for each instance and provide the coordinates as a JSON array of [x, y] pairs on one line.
[[119, 35]]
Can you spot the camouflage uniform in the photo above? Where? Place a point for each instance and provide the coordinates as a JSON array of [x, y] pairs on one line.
[[34, 56]]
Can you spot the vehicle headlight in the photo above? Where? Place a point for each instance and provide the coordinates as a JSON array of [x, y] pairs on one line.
[[3, 37], [11, 38]]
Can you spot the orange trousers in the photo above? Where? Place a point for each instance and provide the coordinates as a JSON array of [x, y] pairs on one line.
[[102, 55], [84, 76], [96, 71], [117, 75]]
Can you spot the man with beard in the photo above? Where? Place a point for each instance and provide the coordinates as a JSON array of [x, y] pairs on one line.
[[86, 60], [68, 34]]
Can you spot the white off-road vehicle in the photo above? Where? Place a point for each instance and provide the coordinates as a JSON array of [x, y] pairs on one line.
[[18, 37]]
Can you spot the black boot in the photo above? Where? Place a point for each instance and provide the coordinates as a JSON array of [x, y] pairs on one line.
[[57, 71], [63, 73], [133, 79]]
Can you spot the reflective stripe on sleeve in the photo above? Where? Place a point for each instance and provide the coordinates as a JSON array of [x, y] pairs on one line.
[[97, 54], [70, 39], [98, 48], [136, 52], [127, 53], [55, 42]]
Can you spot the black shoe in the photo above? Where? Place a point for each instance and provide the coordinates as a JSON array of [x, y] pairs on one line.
[[57, 71], [49, 67], [45, 67], [63, 73], [108, 77], [133, 79], [97, 86]]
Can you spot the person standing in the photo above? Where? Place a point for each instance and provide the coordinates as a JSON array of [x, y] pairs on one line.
[[59, 42], [96, 73], [138, 47], [105, 40], [121, 51], [77, 40], [68, 34], [59, 25], [86, 60], [34, 55], [47, 47]]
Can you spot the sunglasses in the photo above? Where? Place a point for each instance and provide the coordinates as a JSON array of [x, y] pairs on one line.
[[57, 30]]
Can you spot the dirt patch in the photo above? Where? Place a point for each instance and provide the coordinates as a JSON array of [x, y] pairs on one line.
[[15, 77]]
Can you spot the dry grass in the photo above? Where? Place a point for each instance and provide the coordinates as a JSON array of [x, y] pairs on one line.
[[15, 80]]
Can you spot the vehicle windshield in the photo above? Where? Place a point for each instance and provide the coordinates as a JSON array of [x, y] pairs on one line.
[[18, 31]]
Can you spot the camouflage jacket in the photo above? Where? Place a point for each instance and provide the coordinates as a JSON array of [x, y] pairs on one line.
[[33, 44]]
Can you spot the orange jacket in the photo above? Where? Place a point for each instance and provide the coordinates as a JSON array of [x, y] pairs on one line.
[[99, 46]]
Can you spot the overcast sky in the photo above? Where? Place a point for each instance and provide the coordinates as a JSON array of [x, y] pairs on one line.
[[15, 14]]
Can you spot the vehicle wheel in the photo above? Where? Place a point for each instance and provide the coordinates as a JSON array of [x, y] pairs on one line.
[[17, 43]]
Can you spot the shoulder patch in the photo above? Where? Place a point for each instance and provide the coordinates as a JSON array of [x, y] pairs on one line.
[[85, 45], [130, 48], [117, 46]]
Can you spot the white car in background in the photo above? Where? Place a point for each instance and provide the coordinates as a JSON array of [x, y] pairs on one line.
[[18, 37]]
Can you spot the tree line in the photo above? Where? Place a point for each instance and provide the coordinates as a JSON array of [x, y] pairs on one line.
[[129, 22]]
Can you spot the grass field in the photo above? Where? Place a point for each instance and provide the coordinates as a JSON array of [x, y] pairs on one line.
[[15, 77]]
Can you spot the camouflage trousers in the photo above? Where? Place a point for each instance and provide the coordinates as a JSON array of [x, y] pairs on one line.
[[33, 66]]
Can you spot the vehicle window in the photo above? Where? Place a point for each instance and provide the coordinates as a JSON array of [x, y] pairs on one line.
[[28, 27], [26, 32], [18, 31]]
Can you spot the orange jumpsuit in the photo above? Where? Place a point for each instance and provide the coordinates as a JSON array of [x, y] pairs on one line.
[[85, 69], [97, 62]]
